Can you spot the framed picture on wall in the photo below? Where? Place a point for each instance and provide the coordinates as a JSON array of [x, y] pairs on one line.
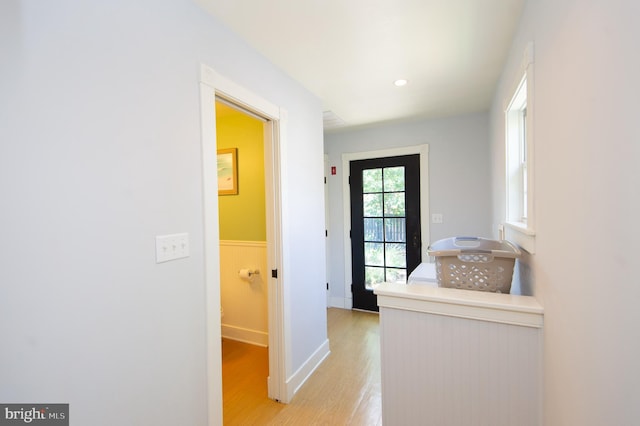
[[227, 171]]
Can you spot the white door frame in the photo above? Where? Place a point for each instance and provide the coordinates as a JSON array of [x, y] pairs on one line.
[[213, 84], [327, 223], [423, 151]]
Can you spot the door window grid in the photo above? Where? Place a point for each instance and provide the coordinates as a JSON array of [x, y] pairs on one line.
[[384, 225]]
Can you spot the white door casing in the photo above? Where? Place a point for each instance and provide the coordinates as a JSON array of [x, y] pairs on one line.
[[213, 84]]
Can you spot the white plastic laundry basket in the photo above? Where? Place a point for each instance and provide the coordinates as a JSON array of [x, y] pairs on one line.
[[474, 263]]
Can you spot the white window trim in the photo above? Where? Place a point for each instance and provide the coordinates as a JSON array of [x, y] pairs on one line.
[[520, 232]]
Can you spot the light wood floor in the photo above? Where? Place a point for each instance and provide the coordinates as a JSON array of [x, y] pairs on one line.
[[344, 390]]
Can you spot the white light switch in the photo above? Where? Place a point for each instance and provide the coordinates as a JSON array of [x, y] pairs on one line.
[[170, 247], [436, 218]]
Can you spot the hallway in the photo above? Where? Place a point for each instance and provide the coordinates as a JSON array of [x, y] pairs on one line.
[[344, 390]]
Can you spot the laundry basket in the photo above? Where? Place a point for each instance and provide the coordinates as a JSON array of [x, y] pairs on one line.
[[474, 263]]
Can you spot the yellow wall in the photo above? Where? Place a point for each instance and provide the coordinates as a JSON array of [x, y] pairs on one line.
[[242, 216]]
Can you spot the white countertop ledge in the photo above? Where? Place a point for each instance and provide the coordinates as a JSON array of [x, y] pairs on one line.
[[477, 305]]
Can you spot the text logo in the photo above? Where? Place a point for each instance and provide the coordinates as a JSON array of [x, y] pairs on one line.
[[34, 414]]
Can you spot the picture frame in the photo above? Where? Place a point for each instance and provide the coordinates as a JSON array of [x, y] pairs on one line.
[[228, 171]]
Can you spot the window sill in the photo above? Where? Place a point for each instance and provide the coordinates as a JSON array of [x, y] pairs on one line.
[[520, 234]]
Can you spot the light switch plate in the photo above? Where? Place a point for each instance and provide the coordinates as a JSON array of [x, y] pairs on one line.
[[171, 247], [436, 218]]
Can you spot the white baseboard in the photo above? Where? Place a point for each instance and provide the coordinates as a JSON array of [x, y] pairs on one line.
[[254, 337], [299, 377], [341, 302], [336, 302]]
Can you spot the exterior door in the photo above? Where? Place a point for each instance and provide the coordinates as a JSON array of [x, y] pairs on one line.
[[385, 224]]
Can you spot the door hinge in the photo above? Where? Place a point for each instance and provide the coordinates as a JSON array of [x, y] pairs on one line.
[[351, 288], [349, 180], [274, 273], [327, 286], [325, 180], [326, 233]]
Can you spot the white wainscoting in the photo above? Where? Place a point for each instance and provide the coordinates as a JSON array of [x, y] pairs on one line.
[[457, 358], [245, 304]]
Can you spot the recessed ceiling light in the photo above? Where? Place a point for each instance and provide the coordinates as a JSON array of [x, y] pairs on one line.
[[401, 82]]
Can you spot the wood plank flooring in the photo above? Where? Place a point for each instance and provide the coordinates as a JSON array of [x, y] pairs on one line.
[[344, 390]]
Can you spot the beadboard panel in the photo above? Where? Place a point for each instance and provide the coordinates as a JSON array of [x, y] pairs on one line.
[[244, 304], [450, 371]]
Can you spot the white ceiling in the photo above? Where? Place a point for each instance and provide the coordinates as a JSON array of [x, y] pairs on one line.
[[349, 52]]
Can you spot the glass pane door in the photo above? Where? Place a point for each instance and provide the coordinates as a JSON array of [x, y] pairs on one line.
[[385, 224]]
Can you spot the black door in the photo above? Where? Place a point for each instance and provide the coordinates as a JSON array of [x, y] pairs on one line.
[[385, 224]]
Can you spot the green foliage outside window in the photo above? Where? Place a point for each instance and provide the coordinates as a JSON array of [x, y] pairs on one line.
[[384, 247]]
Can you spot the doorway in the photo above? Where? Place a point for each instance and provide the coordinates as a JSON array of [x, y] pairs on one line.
[[385, 224], [214, 85], [423, 152], [243, 247]]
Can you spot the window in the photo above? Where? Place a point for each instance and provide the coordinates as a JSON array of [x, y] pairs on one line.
[[519, 223], [384, 218], [516, 153]]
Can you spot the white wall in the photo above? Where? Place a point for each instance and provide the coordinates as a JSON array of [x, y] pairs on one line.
[[459, 177], [587, 204], [100, 151]]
